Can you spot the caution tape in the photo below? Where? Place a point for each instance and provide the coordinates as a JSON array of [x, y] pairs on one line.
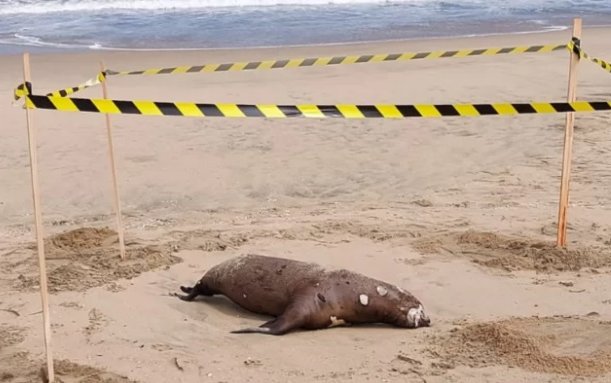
[[188, 109], [339, 60], [575, 46], [305, 62], [23, 90], [101, 77]]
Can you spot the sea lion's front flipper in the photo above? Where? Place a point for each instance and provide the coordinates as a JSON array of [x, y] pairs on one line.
[[247, 330], [263, 329], [269, 323], [289, 320]]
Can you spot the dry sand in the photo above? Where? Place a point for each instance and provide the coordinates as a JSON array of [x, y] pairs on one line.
[[461, 212]]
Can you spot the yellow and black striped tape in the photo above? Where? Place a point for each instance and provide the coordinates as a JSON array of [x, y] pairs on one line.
[[23, 90], [340, 60], [188, 109], [101, 77], [575, 46], [305, 62]]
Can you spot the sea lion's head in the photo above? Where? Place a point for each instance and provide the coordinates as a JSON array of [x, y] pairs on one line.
[[412, 311], [416, 317]]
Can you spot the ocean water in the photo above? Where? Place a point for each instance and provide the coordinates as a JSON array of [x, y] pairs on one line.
[[50, 25]]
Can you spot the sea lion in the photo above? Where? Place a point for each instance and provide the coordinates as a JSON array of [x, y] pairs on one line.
[[304, 295]]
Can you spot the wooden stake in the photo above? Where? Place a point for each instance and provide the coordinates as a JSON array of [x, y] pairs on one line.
[[44, 294], [113, 168], [568, 143]]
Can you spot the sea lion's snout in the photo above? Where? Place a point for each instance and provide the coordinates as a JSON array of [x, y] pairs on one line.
[[416, 317]]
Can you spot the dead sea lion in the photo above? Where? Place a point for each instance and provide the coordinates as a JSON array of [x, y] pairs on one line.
[[304, 295]]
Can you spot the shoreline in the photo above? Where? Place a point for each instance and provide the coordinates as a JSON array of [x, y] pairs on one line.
[[124, 60], [82, 50]]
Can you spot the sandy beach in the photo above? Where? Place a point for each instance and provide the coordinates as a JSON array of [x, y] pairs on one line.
[[459, 211]]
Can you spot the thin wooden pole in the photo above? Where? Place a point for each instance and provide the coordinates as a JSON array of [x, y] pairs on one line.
[[44, 294], [113, 168], [568, 143]]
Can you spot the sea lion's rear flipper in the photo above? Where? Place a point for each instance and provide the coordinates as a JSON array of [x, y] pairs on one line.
[[185, 289], [192, 292]]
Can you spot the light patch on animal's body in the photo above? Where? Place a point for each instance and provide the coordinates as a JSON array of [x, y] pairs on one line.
[[336, 322], [415, 316], [244, 295], [364, 299], [382, 290]]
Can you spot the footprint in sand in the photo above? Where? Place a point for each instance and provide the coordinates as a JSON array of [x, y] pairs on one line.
[[97, 320], [162, 347], [72, 305]]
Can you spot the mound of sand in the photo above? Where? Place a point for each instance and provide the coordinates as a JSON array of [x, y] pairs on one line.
[[82, 239], [68, 372], [569, 346], [497, 251], [19, 368], [89, 257]]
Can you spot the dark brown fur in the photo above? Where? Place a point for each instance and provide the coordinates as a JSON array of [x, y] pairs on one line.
[[304, 295]]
